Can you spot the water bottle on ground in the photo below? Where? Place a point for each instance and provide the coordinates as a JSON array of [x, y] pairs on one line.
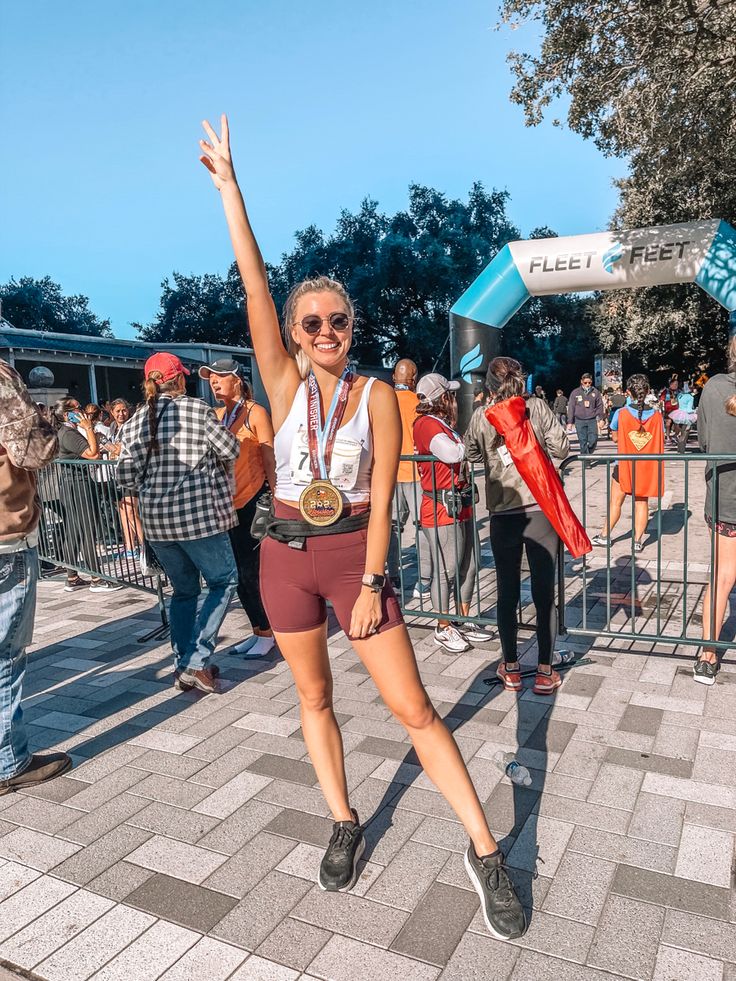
[[562, 657], [516, 773]]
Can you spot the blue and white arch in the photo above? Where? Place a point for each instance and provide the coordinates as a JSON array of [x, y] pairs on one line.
[[702, 252]]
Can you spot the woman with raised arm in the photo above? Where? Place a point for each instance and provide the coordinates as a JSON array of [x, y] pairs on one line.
[[327, 540]]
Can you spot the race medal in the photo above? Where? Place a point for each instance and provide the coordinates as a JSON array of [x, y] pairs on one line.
[[640, 439], [320, 503]]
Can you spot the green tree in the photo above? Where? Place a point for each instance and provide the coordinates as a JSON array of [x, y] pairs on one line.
[[404, 271], [199, 308], [39, 304], [651, 82], [407, 270]]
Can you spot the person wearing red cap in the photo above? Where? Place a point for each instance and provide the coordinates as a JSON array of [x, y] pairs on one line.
[[337, 448], [179, 460]]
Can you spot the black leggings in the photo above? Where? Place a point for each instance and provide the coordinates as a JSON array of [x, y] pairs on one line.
[[510, 534], [248, 560]]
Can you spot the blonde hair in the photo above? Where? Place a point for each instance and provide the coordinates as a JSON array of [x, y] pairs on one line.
[[319, 284]]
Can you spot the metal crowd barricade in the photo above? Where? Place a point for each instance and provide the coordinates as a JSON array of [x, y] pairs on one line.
[[625, 594], [426, 540], [90, 525]]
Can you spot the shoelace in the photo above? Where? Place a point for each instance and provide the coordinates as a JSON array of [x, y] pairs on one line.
[[341, 837], [498, 880]]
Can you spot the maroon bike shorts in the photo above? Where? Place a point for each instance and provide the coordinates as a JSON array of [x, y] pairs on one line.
[[297, 583]]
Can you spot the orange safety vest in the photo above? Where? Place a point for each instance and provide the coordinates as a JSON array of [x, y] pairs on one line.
[[646, 436]]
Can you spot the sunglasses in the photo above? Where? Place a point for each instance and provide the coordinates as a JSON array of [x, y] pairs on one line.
[[312, 324]]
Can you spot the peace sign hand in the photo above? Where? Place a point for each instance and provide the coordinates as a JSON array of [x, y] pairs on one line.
[[216, 154]]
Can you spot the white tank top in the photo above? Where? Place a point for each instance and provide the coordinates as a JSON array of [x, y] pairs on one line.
[[352, 455]]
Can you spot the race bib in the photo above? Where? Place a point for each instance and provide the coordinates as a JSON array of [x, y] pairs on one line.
[[344, 465], [505, 456]]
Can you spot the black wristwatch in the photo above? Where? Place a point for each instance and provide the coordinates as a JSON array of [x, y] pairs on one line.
[[373, 581]]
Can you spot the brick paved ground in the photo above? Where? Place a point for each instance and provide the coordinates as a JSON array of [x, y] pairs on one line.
[[185, 843]]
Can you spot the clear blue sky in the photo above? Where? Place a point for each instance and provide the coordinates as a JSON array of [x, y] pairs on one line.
[[328, 102]]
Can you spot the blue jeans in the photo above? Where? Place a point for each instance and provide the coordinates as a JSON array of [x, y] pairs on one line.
[[193, 637], [18, 578], [587, 430]]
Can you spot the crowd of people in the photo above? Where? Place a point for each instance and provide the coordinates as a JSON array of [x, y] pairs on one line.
[[298, 507], [590, 413]]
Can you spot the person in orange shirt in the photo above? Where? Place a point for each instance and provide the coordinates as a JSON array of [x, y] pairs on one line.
[[408, 495], [254, 473]]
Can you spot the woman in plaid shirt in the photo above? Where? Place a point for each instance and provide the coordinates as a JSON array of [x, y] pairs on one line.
[[298, 574], [178, 458]]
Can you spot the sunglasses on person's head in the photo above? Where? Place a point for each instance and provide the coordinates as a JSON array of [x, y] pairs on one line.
[[312, 324]]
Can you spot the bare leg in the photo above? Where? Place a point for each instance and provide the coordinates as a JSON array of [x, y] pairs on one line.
[[616, 503], [130, 522], [390, 659], [641, 517], [306, 654], [724, 577]]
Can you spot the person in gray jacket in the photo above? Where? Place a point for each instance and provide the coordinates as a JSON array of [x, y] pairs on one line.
[[717, 434], [518, 524], [584, 408]]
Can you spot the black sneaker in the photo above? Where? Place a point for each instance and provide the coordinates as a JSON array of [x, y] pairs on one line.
[[502, 911], [704, 672], [338, 870]]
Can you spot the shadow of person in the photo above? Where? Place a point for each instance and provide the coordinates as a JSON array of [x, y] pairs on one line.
[[519, 724], [87, 706], [672, 520]]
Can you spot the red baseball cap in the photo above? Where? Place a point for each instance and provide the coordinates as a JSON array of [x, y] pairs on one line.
[[168, 364]]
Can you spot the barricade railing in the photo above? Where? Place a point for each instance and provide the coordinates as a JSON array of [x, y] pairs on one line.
[[654, 594], [435, 554], [91, 526]]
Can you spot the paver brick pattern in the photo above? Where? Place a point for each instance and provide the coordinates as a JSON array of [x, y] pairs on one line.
[[185, 842]]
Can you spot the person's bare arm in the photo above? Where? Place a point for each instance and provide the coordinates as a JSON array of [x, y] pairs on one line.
[[386, 428], [93, 451], [278, 370], [262, 426]]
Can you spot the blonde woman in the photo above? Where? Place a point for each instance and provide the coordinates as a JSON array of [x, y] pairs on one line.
[[328, 540]]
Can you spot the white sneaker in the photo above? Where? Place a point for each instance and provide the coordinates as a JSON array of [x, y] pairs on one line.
[[421, 591], [254, 647], [451, 639], [600, 541], [472, 633], [103, 586]]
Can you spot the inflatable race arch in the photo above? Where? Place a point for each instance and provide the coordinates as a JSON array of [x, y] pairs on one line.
[[702, 252]]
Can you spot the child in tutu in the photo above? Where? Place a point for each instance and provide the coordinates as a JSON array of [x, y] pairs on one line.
[[683, 417]]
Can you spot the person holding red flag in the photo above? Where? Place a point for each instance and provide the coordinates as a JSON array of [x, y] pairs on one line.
[[515, 437]]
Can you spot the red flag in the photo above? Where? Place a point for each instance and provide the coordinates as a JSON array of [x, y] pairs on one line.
[[538, 472]]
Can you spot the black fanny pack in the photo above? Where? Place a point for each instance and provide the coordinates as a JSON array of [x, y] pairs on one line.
[[294, 533], [454, 499]]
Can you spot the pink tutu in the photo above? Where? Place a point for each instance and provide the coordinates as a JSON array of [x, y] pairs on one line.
[[683, 418]]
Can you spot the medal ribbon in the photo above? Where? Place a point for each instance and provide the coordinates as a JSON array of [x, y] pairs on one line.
[[322, 438], [227, 420]]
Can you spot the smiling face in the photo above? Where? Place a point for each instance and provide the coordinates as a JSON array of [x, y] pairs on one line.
[[329, 347], [120, 413], [226, 388]]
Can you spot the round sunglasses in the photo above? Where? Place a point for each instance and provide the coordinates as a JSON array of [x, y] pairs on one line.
[[312, 324]]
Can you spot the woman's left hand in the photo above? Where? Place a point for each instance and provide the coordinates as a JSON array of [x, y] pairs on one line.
[[366, 615]]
